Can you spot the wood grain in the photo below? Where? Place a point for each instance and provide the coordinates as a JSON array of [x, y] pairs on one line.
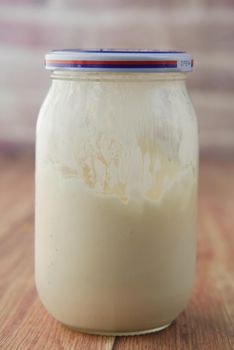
[[208, 321]]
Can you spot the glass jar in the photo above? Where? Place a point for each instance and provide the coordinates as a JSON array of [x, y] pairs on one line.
[[116, 188]]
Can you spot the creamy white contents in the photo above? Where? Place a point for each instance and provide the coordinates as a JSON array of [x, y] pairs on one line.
[[115, 218]]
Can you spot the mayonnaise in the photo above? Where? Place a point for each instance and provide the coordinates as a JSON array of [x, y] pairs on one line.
[[108, 265], [116, 183]]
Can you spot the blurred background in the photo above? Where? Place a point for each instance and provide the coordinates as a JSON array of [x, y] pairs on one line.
[[29, 28]]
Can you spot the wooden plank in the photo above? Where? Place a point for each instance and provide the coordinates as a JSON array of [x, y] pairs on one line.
[[16, 182], [24, 324], [208, 321]]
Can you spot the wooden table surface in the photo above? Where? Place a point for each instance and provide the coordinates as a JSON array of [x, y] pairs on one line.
[[208, 321]]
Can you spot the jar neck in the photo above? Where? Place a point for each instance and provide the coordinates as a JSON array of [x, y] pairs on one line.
[[118, 76]]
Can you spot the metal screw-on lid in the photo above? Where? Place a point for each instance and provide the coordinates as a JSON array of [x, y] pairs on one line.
[[111, 60]]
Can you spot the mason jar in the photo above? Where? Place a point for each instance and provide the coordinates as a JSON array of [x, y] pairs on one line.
[[116, 190]]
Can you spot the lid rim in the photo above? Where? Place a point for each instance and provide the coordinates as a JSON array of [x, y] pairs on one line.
[[118, 60]]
